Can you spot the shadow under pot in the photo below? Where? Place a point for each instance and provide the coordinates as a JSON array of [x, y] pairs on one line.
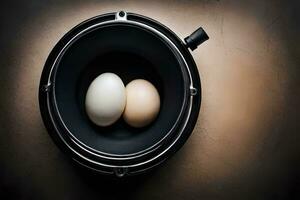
[[133, 47]]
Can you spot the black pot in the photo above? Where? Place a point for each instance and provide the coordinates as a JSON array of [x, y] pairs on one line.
[[132, 46]]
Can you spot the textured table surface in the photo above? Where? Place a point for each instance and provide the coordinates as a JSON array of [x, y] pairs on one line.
[[246, 142]]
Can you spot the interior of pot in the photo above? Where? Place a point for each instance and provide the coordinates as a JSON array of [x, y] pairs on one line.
[[131, 52]]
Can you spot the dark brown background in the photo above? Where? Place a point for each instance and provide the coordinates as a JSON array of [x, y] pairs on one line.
[[246, 141]]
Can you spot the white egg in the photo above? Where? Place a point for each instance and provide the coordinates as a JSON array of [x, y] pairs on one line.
[[105, 99]]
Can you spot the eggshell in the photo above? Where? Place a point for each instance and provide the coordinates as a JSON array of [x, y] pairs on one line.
[[142, 103], [105, 99]]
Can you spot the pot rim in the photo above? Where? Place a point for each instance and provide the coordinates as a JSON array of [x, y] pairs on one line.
[[190, 92]]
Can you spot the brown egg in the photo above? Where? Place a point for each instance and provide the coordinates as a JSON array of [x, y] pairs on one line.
[[142, 103]]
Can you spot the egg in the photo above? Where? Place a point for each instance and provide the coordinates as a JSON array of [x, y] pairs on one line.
[[105, 99], [142, 103]]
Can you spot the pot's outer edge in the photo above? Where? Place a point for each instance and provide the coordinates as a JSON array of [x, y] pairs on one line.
[[43, 96]]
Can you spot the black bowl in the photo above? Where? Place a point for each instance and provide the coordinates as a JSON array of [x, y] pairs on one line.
[[131, 46]]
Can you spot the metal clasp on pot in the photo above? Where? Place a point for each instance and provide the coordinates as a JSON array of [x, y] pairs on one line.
[[121, 15], [120, 171], [193, 91], [46, 88]]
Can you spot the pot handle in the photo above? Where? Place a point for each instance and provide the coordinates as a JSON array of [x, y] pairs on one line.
[[196, 38]]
